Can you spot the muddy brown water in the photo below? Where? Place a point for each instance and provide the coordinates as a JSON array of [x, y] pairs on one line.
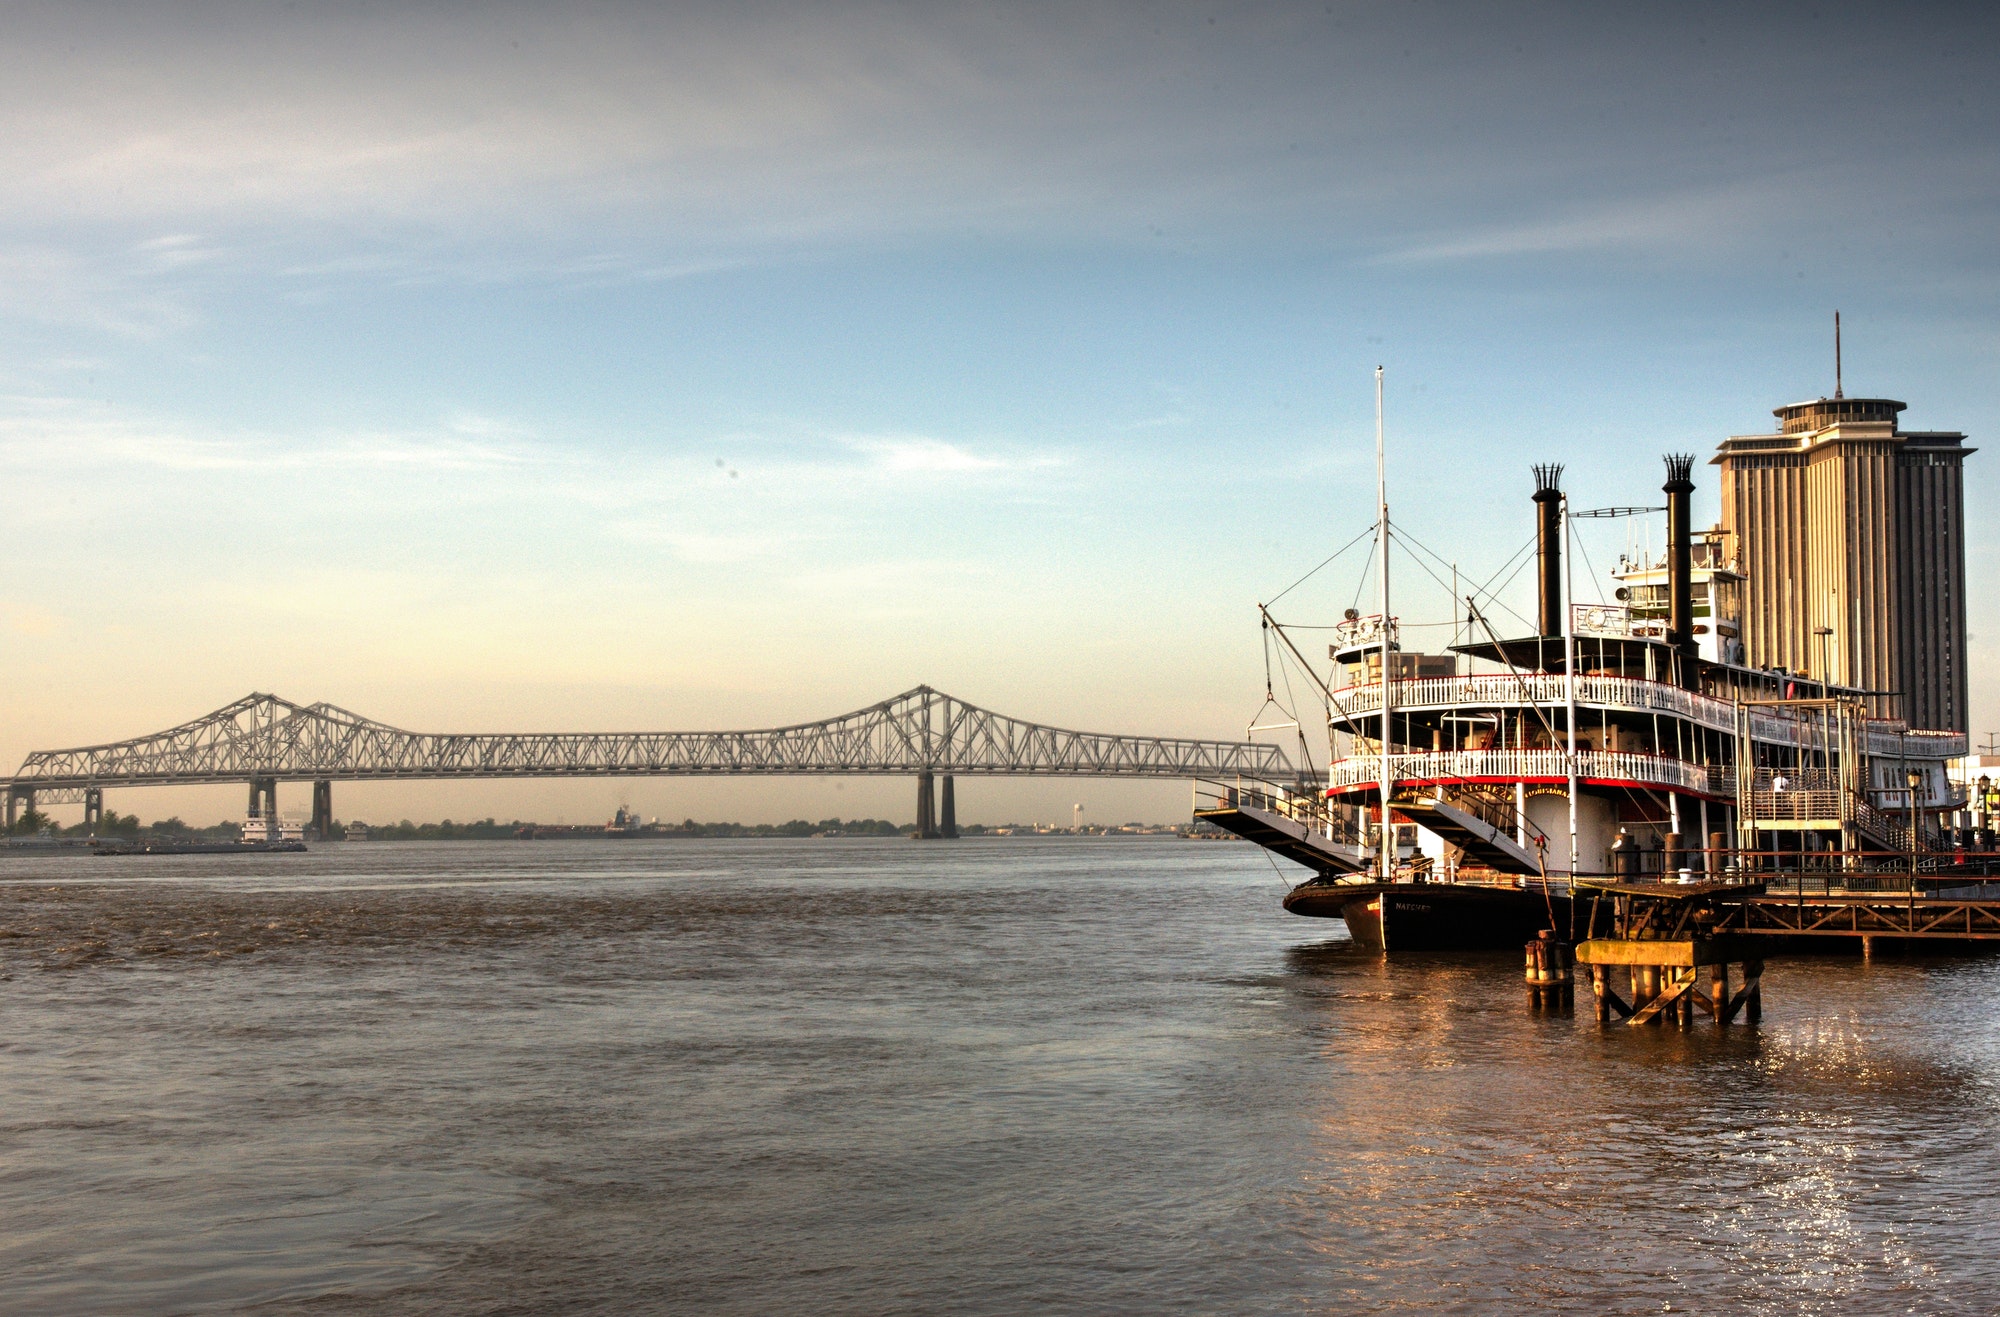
[[990, 1076]]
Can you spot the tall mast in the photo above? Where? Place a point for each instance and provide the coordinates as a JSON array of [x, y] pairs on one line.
[[1569, 676], [1386, 838]]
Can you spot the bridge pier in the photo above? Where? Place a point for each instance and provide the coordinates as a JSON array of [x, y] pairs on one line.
[[93, 807], [947, 810], [16, 798], [926, 807], [263, 798], [322, 824]]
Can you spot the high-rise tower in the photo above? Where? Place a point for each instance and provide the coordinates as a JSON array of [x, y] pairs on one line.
[[1851, 533]]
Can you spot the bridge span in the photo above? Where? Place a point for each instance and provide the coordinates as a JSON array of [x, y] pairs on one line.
[[262, 740]]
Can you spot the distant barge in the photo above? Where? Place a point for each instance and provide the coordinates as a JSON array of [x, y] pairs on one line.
[[205, 848]]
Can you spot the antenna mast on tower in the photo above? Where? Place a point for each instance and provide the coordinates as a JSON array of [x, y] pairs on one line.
[[1836, 354]]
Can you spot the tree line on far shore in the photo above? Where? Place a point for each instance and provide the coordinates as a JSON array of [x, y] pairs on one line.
[[128, 827]]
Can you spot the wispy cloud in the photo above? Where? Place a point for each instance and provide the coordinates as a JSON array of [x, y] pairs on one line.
[[175, 251], [917, 455], [120, 293], [37, 432], [1705, 218], [640, 143]]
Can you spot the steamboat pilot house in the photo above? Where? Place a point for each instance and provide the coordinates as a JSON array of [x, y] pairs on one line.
[[1621, 738]]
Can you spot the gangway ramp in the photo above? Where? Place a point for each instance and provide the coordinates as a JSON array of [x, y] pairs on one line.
[[1269, 821], [1483, 842]]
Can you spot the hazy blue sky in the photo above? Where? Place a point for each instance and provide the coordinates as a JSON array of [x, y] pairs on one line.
[[500, 367]]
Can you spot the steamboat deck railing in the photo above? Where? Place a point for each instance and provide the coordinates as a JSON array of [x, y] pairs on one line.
[[1612, 767], [1631, 695]]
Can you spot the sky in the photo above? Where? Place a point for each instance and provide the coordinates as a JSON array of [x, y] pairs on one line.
[[597, 367]]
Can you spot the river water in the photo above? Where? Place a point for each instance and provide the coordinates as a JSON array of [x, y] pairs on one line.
[[989, 1076]]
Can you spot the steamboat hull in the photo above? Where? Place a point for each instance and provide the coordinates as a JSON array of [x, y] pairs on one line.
[[1432, 916]]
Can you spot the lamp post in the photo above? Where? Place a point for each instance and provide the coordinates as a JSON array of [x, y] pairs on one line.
[[1915, 780], [1825, 634]]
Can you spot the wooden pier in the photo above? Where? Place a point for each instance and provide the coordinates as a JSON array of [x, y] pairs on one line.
[[1676, 962], [1665, 979], [1913, 914]]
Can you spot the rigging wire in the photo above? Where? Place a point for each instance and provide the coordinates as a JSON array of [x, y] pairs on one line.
[[1362, 584], [1271, 700], [1595, 583], [1487, 591], [1289, 884], [1305, 751], [1335, 626], [1501, 604], [1425, 569], [1488, 587], [1527, 696], [1325, 562]]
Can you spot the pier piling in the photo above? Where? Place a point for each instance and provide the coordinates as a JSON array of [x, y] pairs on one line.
[[1550, 973], [1667, 983]]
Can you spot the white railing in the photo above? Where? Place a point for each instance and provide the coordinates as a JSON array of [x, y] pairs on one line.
[[1500, 688], [1635, 695], [1894, 743], [1545, 765]]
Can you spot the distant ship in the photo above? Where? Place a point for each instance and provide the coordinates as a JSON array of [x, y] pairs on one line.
[[271, 832], [627, 824]]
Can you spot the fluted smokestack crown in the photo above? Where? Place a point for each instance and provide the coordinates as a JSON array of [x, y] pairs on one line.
[[1548, 545], [1680, 553]]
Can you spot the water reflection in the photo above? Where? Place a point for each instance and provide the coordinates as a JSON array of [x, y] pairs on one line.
[[1834, 1154], [877, 1077]]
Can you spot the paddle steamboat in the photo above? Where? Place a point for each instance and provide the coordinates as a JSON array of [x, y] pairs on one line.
[[1782, 692]]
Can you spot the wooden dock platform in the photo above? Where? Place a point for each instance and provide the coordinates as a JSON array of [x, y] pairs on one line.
[[1665, 977]]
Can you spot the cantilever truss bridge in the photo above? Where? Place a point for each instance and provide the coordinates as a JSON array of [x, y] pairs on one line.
[[263, 740]]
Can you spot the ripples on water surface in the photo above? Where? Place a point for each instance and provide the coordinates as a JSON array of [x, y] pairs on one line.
[[985, 1076]]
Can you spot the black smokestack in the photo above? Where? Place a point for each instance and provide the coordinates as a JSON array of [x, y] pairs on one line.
[[1680, 554], [1548, 545]]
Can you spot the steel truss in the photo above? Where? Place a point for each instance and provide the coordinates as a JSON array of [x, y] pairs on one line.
[[919, 731]]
